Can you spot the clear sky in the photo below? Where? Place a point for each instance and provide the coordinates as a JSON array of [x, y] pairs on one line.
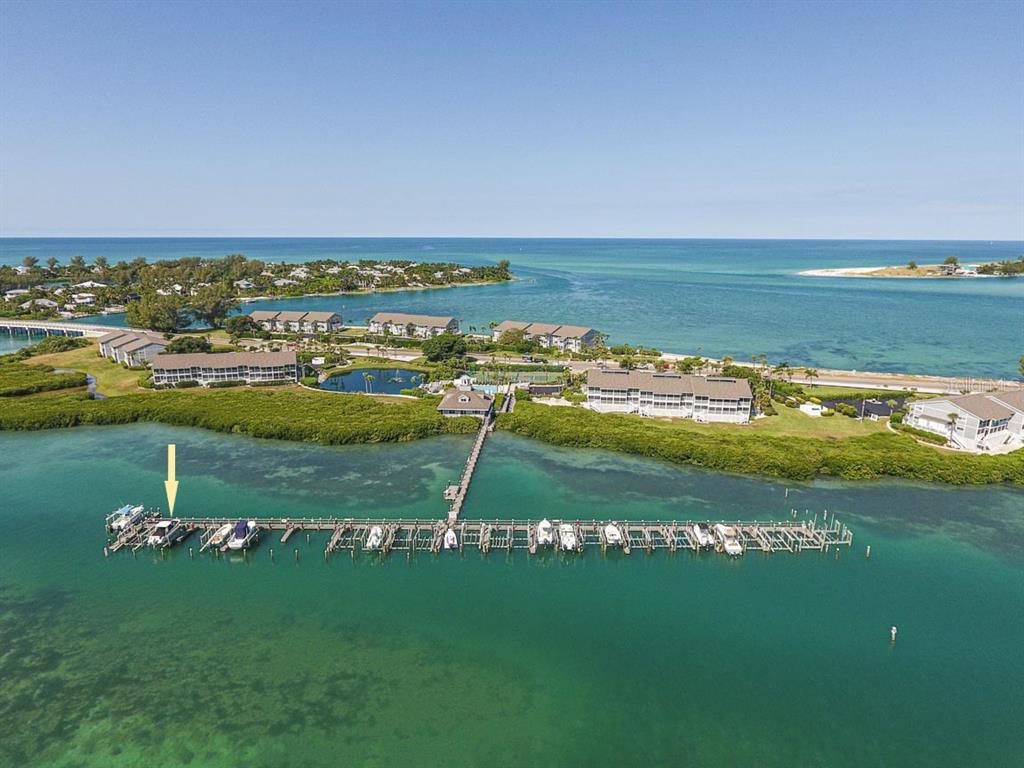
[[875, 120]]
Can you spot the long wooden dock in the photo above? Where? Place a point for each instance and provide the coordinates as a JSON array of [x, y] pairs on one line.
[[427, 535], [459, 496]]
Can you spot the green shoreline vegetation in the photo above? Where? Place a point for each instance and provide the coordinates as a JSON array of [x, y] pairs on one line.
[[337, 419]]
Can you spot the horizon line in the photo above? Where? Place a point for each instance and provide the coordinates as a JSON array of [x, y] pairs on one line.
[[508, 237]]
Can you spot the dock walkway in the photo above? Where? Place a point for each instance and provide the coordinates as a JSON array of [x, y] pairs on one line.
[[418, 535]]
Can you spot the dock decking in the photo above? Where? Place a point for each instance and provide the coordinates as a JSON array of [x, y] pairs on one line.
[[425, 535]]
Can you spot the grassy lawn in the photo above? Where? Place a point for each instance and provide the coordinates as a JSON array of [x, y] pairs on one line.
[[111, 379], [824, 392], [790, 422]]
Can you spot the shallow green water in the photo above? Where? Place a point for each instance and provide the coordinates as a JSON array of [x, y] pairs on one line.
[[464, 660]]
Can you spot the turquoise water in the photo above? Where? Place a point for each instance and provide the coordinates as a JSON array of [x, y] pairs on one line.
[[472, 661], [386, 381], [714, 297]]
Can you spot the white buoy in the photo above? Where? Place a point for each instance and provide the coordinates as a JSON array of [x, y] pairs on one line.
[[892, 634], [867, 552]]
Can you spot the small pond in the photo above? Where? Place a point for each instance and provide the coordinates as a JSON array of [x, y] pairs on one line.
[[384, 381]]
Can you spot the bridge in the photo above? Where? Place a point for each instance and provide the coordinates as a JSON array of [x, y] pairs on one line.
[[50, 328]]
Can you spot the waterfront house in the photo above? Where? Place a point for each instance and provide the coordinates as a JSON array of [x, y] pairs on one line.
[[412, 326], [307, 323], [986, 422], [15, 293], [38, 303], [84, 298], [244, 285], [90, 284], [458, 402], [702, 398], [208, 368], [567, 338]]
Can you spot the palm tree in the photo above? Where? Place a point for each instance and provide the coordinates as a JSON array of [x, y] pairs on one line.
[[368, 381], [29, 261], [811, 374], [953, 417], [52, 263]]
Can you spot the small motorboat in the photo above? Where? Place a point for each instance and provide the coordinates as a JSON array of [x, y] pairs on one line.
[[221, 535], [451, 541], [567, 537], [545, 533], [124, 518], [374, 538], [244, 535], [702, 536], [613, 535], [726, 534], [167, 533]]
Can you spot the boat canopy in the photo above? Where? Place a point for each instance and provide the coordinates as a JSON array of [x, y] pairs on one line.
[[241, 529]]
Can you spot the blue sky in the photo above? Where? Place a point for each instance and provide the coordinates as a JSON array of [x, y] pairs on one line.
[[874, 120]]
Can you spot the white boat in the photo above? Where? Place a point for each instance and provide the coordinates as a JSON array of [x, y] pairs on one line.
[[567, 537], [374, 538], [125, 518], [220, 536], [545, 533], [613, 535], [702, 536], [726, 534], [451, 541], [167, 533], [244, 535]]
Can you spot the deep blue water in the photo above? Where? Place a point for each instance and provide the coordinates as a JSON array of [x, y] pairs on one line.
[[713, 297]]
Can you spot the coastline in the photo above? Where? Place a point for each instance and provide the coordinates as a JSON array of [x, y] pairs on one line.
[[880, 272], [368, 292]]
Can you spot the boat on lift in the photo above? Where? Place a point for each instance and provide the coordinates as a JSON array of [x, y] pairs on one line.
[[451, 541], [702, 536], [613, 535], [167, 533], [244, 535], [727, 536], [545, 533], [221, 535], [567, 537], [374, 538], [124, 518]]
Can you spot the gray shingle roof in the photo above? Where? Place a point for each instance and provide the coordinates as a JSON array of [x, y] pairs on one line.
[[670, 384], [400, 318], [460, 400]]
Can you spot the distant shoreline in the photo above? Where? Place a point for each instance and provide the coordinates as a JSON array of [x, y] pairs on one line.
[[923, 272]]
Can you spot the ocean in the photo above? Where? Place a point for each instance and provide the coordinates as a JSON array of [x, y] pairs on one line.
[[710, 297], [467, 660]]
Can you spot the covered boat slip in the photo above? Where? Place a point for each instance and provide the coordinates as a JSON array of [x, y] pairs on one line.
[[410, 536]]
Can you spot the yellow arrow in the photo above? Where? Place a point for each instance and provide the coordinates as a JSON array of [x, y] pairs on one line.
[[170, 483]]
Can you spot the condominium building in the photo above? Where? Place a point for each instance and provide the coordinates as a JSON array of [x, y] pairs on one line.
[[412, 326], [567, 338], [989, 423], [130, 347], [307, 323], [702, 398], [207, 368]]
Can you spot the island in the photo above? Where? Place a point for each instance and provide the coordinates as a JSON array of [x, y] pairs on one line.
[[949, 268]]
